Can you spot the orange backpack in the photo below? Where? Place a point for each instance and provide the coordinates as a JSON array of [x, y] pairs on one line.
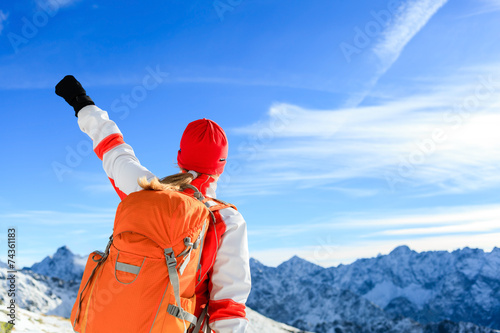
[[145, 280]]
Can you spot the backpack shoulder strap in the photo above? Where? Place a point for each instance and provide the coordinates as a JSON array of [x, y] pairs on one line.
[[219, 204]]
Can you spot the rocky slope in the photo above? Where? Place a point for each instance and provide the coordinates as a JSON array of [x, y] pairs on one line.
[[63, 265], [45, 302], [404, 291]]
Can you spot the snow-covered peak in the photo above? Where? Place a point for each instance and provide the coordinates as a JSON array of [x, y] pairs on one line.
[[44, 304], [64, 265], [255, 264], [402, 250], [297, 266], [62, 253], [427, 287], [33, 321]]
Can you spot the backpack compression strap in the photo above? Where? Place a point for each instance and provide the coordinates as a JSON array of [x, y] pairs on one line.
[[201, 320], [171, 260], [176, 311]]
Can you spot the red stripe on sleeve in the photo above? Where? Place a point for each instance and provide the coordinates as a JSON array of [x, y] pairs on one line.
[[120, 193], [225, 309], [108, 143]]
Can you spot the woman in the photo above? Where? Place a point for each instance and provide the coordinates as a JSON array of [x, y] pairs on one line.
[[224, 282]]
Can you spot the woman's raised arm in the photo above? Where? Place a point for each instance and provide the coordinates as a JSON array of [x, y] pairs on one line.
[[118, 158]]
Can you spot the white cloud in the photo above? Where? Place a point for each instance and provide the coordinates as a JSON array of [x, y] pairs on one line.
[[55, 3], [410, 18], [328, 255], [287, 82], [413, 16], [52, 218], [3, 18], [426, 221], [483, 226], [445, 139], [435, 216], [40, 232], [483, 7], [354, 192], [492, 5], [365, 236]]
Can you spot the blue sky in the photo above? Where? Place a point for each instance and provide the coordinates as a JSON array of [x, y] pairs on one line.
[[354, 127]]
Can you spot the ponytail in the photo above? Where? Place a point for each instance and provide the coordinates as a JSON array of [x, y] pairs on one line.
[[177, 182]]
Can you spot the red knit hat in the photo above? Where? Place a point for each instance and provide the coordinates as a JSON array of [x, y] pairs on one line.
[[203, 147]]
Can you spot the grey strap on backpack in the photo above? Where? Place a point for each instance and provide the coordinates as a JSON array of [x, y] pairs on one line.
[[198, 195], [201, 319]]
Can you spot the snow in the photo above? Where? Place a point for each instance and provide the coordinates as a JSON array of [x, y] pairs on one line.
[[429, 287], [30, 322], [63, 265], [259, 324], [383, 293], [44, 296], [30, 293], [363, 297]]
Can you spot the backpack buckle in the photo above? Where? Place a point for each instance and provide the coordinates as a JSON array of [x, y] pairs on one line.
[[170, 257]]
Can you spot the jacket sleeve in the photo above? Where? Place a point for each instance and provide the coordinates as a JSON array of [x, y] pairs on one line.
[[118, 158], [230, 281]]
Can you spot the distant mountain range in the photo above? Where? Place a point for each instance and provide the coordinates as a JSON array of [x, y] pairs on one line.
[[51, 286], [64, 265], [405, 291], [30, 322]]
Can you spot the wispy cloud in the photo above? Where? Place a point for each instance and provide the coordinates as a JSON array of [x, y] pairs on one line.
[[46, 79], [56, 3], [437, 216], [412, 17], [483, 7], [409, 19], [3, 18], [443, 140], [372, 233], [52, 218], [427, 221], [354, 192], [248, 80], [328, 255], [484, 226], [41, 232]]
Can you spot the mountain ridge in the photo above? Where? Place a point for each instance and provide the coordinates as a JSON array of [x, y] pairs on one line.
[[427, 287], [404, 291], [63, 264]]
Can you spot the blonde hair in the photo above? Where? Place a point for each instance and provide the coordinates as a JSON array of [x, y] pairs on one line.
[[177, 182]]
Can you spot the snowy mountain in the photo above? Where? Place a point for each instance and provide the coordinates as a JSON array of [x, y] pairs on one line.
[[381, 294], [403, 292], [45, 302], [63, 265], [431, 286], [40, 294], [31, 322]]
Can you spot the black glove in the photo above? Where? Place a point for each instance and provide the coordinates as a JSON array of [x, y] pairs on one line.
[[73, 93]]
